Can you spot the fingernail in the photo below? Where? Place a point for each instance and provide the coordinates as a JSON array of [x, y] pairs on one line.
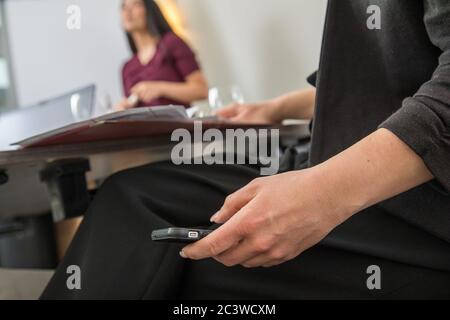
[[182, 254], [213, 218]]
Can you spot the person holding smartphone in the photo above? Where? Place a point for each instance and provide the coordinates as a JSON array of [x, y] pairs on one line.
[[375, 195]]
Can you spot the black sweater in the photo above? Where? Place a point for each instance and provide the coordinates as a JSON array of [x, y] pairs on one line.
[[396, 77]]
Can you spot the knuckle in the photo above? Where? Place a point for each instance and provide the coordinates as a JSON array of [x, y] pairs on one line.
[[277, 231], [212, 248], [251, 224], [258, 183], [263, 245], [228, 262], [248, 265], [244, 229], [248, 225], [314, 220], [229, 199], [277, 255], [291, 257]]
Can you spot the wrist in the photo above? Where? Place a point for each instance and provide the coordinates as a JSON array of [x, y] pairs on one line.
[[337, 192], [274, 108], [161, 89]]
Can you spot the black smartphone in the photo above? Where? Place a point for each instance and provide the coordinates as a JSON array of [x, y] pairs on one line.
[[182, 235]]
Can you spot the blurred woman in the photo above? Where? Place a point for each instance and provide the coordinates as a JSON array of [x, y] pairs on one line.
[[163, 69]]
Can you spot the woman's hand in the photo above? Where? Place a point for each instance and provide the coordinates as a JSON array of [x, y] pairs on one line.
[[124, 105], [148, 91], [260, 113], [295, 105], [272, 220]]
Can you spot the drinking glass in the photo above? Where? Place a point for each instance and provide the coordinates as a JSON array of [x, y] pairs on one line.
[[222, 96]]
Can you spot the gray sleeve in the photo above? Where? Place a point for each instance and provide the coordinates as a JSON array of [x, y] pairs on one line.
[[423, 121]]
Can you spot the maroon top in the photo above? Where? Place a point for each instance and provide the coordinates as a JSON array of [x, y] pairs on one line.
[[173, 62]]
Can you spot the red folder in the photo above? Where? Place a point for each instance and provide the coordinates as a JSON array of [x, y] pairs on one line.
[[146, 122], [117, 130]]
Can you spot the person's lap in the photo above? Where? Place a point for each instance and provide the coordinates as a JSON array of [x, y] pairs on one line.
[[118, 259], [113, 246]]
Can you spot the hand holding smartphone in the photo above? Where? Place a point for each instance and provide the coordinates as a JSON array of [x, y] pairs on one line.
[[182, 235]]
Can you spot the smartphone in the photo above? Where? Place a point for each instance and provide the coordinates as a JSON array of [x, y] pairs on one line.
[[181, 235]]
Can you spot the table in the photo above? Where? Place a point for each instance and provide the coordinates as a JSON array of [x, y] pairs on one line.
[[25, 194]]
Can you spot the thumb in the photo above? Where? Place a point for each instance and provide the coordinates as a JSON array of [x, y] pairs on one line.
[[219, 241]]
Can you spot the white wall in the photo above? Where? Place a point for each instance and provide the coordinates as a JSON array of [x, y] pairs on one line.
[[48, 59], [265, 46]]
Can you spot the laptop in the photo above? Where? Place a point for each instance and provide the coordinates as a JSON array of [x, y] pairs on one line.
[[22, 123]]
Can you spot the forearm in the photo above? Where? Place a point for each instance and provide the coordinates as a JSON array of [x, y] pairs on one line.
[[378, 167], [184, 92], [295, 105]]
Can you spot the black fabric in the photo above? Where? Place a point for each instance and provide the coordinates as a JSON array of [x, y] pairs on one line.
[[118, 260], [113, 246], [312, 79], [397, 78]]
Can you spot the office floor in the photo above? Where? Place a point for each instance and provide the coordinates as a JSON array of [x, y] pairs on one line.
[[23, 284]]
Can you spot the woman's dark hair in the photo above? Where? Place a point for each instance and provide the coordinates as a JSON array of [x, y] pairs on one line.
[[156, 23]]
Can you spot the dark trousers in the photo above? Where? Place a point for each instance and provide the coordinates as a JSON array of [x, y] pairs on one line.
[[118, 260]]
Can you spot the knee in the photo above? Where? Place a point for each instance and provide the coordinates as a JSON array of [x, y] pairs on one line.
[[117, 182], [130, 179], [114, 192]]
